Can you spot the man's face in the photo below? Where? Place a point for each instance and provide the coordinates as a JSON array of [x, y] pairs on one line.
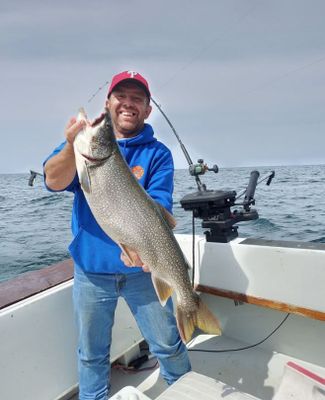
[[129, 107]]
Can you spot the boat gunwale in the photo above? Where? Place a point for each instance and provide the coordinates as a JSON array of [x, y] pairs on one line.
[[262, 302], [33, 282]]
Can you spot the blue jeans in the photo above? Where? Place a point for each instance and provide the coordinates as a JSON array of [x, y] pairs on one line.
[[95, 299]]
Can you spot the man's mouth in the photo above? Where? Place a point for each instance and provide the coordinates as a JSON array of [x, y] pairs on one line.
[[127, 114]]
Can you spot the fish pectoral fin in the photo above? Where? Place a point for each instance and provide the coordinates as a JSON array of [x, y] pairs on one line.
[[202, 318], [84, 178], [163, 289], [130, 254], [171, 221]]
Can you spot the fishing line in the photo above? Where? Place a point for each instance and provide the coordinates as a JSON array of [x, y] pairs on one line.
[[186, 154], [283, 76], [183, 148], [245, 347], [204, 49], [97, 91]]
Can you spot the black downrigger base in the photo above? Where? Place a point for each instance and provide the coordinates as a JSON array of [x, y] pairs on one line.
[[213, 207]]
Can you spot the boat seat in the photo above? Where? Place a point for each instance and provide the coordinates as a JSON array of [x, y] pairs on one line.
[[194, 386], [191, 386], [129, 393], [300, 384], [297, 383]]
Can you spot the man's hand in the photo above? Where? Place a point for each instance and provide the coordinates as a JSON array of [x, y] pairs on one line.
[[73, 128], [60, 170], [136, 261]]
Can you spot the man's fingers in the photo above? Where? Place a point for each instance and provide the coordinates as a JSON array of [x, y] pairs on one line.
[[73, 128], [72, 121], [136, 261], [125, 260], [145, 268]]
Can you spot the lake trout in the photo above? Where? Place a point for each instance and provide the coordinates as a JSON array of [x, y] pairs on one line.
[[130, 217]]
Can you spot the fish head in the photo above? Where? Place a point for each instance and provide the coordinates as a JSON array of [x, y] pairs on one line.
[[95, 142], [93, 146]]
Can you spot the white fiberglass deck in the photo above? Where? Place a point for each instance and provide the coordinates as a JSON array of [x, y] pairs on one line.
[[257, 371], [38, 358], [254, 371]]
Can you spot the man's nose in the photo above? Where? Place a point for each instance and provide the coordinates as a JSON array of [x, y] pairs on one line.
[[128, 102]]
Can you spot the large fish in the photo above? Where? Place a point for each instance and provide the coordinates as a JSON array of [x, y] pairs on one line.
[[135, 222]]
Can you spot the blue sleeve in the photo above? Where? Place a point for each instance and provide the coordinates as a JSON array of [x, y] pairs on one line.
[[73, 185], [161, 179]]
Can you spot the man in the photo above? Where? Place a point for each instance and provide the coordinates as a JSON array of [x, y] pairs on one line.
[[102, 274]]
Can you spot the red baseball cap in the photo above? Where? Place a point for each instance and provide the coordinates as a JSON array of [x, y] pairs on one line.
[[129, 76]]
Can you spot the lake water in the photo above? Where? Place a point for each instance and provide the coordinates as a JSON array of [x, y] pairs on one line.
[[35, 224]]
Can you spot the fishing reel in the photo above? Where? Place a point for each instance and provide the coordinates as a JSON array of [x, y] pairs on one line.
[[214, 206], [200, 168]]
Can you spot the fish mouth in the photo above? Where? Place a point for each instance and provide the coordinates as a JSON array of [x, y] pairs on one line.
[[98, 120], [94, 160]]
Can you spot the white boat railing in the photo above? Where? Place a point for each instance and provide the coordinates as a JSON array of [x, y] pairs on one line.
[[37, 332]]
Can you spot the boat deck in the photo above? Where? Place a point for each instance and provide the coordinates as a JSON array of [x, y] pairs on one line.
[[253, 371], [256, 291]]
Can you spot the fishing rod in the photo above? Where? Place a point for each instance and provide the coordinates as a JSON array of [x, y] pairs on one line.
[[187, 156], [214, 206], [195, 169]]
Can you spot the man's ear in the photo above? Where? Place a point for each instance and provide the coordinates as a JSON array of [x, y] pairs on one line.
[[148, 111], [107, 104]]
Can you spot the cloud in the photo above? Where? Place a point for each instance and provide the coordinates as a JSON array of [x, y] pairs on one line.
[[242, 81]]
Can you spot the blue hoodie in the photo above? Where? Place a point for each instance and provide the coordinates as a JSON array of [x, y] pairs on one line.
[[152, 164]]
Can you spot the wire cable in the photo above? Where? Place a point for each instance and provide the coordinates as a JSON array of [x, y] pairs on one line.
[[193, 249], [245, 347]]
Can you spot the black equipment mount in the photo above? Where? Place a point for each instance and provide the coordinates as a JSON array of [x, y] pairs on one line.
[[214, 208]]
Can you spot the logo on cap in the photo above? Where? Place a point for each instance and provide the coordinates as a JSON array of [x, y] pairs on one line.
[[129, 75], [132, 74]]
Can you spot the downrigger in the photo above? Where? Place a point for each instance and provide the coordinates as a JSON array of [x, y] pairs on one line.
[[213, 207]]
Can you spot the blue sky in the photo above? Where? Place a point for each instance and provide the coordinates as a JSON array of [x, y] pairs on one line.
[[243, 81]]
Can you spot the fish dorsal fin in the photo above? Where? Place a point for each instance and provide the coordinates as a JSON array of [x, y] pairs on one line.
[[81, 114], [163, 290], [171, 221], [84, 177]]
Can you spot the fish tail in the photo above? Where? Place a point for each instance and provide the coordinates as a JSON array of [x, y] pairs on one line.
[[201, 318]]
